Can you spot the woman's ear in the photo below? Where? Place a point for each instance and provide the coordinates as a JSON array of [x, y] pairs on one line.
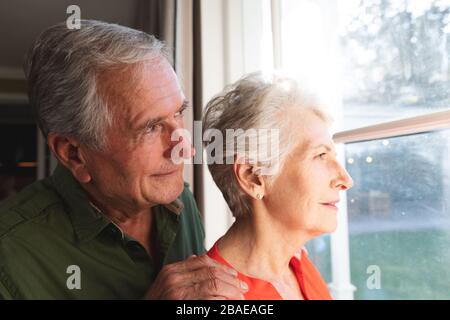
[[251, 183], [70, 155]]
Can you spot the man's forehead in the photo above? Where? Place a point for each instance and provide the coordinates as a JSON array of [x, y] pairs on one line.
[[149, 92], [137, 79]]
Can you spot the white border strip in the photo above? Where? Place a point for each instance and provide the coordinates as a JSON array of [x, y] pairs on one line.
[[419, 124]]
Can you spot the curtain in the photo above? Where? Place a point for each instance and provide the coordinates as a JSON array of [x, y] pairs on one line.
[[158, 17]]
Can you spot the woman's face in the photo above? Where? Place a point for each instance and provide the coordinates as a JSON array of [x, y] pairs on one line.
[[305, 193]]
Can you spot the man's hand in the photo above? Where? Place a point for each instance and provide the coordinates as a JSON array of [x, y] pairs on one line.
[[197, 278]]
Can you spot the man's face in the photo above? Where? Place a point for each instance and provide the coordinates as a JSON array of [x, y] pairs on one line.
[[135, 169]]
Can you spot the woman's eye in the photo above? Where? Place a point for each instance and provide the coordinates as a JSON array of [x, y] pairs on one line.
[[322, 155]]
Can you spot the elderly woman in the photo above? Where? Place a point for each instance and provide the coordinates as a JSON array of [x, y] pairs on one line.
[[282, 201]]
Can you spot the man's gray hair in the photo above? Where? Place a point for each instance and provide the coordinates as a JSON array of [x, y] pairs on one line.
[[257, 101], [62, 69]]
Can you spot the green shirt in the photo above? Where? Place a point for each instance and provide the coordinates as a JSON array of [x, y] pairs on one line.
[[55, 245]]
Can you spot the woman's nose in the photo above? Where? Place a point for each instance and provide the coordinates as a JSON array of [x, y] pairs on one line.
[[343, 181]]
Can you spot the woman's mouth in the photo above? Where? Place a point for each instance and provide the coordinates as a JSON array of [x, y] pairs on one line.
[[331, 205]]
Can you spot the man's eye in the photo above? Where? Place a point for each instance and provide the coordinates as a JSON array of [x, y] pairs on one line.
[[180, 113], [153, 128]]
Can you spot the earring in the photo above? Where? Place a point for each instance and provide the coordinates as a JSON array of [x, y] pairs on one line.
[[259, 196]]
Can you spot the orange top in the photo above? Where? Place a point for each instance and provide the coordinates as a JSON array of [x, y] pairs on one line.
[[312, 285]]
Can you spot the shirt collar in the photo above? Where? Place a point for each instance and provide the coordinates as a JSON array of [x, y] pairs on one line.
[[86, 219]]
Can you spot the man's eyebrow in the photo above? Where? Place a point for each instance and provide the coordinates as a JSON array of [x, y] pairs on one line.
[[150, 122], [184, 106]]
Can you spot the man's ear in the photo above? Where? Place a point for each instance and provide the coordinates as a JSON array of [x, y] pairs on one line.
[[252, 184], [69, 154]]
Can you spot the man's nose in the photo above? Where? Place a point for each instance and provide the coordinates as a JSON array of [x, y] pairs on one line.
[[171, 139], [176, 135]]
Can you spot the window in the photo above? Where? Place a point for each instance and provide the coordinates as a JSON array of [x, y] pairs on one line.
[[395, 59]]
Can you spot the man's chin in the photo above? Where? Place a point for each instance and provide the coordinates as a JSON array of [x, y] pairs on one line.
[[169, 191]]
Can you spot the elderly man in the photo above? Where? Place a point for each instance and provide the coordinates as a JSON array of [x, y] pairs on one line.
[[115, 220]]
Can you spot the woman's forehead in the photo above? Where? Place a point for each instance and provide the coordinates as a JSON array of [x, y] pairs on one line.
[[311, 143]]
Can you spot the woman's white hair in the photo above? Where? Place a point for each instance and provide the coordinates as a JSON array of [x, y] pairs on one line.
[[62, 69], [257, 101]]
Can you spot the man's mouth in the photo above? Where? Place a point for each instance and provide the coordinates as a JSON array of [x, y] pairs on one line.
[[167, 173]]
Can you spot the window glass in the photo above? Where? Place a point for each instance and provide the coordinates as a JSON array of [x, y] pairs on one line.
[[399, 216]]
